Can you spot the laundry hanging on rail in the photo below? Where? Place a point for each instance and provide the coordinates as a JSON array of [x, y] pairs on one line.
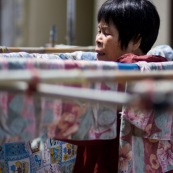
[[47, 110], [34, 116], [146, 135]]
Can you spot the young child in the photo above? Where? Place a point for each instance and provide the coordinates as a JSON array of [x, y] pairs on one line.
[[124, 26]]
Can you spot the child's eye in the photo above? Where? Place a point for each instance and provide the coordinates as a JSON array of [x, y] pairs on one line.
[[99, 31], [106, 33]]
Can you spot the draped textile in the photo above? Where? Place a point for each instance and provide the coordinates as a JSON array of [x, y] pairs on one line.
[[146, 139], [27, 121], [145, 136]]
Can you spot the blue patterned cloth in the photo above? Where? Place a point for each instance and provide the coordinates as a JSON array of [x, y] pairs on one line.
[[162, 50], [26, 157]]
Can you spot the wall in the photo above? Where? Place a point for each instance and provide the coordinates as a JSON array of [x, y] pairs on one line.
[[84, 22], [43, 13], [164, 10], [27, 22]]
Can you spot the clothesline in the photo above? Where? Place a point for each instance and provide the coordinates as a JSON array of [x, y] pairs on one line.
[[56, 49], [70, 93], [80, 76], [18, 80], [160, 97]]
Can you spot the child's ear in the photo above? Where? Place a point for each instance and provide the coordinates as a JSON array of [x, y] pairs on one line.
[[136, 43]]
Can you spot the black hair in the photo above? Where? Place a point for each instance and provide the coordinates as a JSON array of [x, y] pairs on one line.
[[134, 19]]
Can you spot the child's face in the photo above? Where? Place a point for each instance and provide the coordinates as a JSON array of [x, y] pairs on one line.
[[108, 47]]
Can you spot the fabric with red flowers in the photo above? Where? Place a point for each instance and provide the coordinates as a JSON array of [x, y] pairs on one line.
[[146, 140]]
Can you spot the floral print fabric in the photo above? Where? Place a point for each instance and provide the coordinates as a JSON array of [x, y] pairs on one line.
[[25, 118], [146, 136]]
